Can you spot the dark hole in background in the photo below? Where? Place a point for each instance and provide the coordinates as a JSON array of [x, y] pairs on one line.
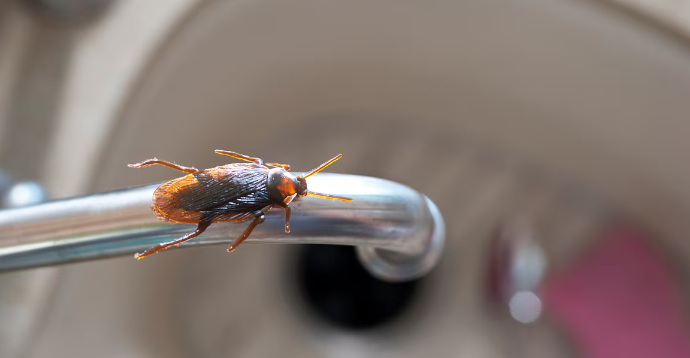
[[338, 290]]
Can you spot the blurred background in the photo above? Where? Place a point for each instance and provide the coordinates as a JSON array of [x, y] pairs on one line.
[[553, 135]]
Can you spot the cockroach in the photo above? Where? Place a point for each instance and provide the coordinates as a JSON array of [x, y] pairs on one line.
[[233, 192]]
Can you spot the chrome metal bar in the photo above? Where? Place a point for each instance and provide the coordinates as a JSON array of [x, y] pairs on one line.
[[399, 233]]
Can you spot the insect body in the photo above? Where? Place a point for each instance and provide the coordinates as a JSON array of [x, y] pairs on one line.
[[233, 192]]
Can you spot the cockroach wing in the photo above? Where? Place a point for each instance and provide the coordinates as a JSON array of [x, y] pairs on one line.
[[227, 193]]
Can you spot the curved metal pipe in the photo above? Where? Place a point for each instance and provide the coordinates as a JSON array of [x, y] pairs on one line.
[[399, 233]]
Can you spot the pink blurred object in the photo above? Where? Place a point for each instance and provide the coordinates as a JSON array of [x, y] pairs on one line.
[[620, 300]]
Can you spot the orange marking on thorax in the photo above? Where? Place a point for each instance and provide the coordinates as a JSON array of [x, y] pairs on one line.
[[286, 187]]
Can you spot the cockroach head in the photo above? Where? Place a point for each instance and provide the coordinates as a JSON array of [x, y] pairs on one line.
[[301, 188]]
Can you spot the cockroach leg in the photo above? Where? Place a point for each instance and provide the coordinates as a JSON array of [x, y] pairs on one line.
[[164, 245], [248, 231], [287, 219], [284, 166], [154, 161], [240, 156]]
